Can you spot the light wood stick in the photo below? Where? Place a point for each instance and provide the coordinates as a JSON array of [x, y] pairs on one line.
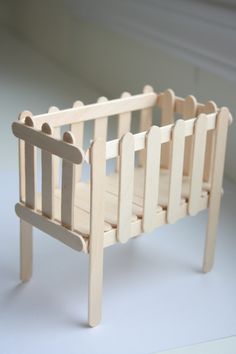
[[151, 183], [126, 186], [56, 132], [216, 185], [209, 107], [67, 188], [196, 181], [93, 111], [145, 123], [189, 111], [98, 172], [30, 177], [167, 117], [176, 171], [54, 146], [77, 129], [48, 188]]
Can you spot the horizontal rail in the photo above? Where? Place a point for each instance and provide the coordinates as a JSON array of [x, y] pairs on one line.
[[96, 110], [57, 147], [51, 227], [112, 147]]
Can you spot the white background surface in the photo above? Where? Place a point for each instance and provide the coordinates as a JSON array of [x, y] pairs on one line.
[[155, 296]]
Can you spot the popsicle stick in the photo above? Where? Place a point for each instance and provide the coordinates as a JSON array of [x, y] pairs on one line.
[[151, 182], [77, 129], [98, 172], [48, 180], [56, 132], [216, 185], [176, 171], [189, 111], [199, 146], [126, 186], [145, 123], [67, 188], [167, 117]]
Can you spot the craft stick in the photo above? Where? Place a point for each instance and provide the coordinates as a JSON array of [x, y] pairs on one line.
[[54, 146], [124, 124], [98, 172], [56, 132], [30, 176], [222, 124], [48, 180], [189, 111], [145, 123], [21, 148], [167, 117], [67, 188], [97, 110], [176, 171], [126, 186], [77, 129], [151, 182], [196, 181]]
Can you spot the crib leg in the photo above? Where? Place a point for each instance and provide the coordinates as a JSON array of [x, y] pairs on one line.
[[26, 250], [95, 286], [213, 215]]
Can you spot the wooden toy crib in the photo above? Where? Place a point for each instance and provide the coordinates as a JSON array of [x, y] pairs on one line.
[[162, 174]]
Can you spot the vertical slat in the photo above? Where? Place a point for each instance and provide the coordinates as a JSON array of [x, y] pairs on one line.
[[198, 158], [77, 129], [176, 171], [223, 119], [151, 183], [47, 178], [26, 250], [124, 123], [30, 177], [100, 124], [68, 185], [22, 117], [189, 111], [209, 107], [98, 172], [145, 123], [55, 159], [126, 186], [167, 117]]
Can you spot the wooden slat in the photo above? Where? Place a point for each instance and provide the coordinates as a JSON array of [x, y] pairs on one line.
[[189, 111], [67, 188], [98, 172], [151, 183], [145, 123], [223, 119], [48, 188], [57, 147], [126, 185], [167, 117], [21, 147], [30, 176], [97, 110], [124, 124], [100, 125], [55, 159], [77, 129], [176, 171], [209, 107], [112, 147], [51, 227], [179, 103], [199, 147]]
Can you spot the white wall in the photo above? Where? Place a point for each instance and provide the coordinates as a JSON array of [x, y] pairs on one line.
[[112, 62]]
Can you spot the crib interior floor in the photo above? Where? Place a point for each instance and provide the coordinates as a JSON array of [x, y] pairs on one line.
[[82, 199]]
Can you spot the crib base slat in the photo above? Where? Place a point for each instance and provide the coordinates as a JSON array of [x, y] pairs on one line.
[[51, 227]]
